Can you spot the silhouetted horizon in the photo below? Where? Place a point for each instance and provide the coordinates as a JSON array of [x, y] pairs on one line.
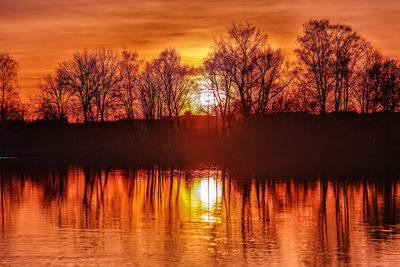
[[336, 69]]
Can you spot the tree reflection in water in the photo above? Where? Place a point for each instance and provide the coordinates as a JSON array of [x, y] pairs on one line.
[[194, 215]]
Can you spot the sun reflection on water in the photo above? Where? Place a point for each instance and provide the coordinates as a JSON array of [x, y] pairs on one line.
[[207, 196], [180, 217]]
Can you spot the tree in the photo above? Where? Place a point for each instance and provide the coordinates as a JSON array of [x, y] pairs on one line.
[[79, 76], [328, 58], [368, 80], [254, 70], [389, 97], [14, 110], [8, 83], [129, 67], [378, 87], [106, 79], [175, 82], [347, 47], [237, 53], [287, 102], [54, 101], [150, 93], [274, 75], [92, 78], [315, 58], [218, 82]]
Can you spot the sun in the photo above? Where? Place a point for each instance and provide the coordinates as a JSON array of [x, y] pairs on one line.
[[206, 97]]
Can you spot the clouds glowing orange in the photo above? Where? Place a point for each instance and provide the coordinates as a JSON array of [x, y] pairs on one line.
[[41, 33]]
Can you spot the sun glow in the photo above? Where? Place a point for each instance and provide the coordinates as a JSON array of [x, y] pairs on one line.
[[207, 194], [206, 98]]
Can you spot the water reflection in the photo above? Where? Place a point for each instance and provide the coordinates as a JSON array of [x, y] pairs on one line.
[[194, 216]]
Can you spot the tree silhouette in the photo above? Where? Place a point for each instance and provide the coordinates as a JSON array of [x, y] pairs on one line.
[[175, 81], [328, 58], [149, 93], [347, 47], [336, 70], [127, 93], [315, 56], [254, 70], [275, 76], [390, 86], [378, 87], [237, 53], [78, 75], [106, 74], [219, 82], [367, 87], [286, 102], [92, 78], [8, 83], [54, 101]]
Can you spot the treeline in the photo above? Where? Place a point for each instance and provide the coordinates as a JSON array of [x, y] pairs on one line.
[[336, 70]]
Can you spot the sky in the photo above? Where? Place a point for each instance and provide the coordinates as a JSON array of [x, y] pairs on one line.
[[41, 33]]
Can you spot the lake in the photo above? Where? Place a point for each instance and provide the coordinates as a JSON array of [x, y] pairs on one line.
[[195, 215]]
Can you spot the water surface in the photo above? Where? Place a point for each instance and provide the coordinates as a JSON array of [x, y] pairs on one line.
[[194, 216]]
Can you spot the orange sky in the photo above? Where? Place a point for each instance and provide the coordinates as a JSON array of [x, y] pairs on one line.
[[40, 33]]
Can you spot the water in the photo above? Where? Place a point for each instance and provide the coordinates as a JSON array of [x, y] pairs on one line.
[[194, 216]]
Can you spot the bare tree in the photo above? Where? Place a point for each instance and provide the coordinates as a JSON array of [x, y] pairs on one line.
[[129, 67], [54, 101], [288, 101], [91, 77], [79, 76], [315, 58], [218, 82], [303, 101], [378, 87], [254, 71], [378, 82], [150, 93], [389, 97], [8, 83], [347, 47], [368, 80], [274, 75], [237, 53], [329, 56], [175, 81], [14, 109], [106, 81]]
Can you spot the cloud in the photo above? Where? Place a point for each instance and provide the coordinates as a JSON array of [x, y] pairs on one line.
[[40, 33]]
